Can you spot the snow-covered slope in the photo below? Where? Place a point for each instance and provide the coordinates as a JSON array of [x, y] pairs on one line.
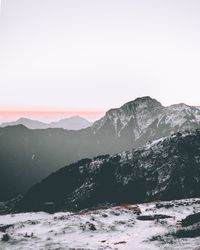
[[147, 117], [148, 226]]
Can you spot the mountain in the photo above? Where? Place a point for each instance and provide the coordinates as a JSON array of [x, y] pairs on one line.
[[146, 118], [30, 155], [29, 123], [71, 123], [166, 169]]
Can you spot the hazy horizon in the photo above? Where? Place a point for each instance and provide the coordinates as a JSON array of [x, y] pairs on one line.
[[51, 115], [48, 115], [85, 57]]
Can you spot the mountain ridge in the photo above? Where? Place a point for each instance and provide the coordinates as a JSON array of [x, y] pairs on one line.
[[143, 112], [30, 155], [166, 169], [70, 123]]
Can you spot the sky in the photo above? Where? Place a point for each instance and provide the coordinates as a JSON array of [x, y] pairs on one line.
[[62, 57]]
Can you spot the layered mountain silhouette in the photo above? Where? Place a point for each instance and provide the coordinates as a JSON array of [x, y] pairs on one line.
[[28, 155], [163, 170], [71, 123], [29, 123]]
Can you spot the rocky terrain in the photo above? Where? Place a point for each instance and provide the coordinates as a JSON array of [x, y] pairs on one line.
[[171, 225], [166, 169], [147, 118]]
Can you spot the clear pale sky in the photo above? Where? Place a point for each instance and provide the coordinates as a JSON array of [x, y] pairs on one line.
[[89, 56]]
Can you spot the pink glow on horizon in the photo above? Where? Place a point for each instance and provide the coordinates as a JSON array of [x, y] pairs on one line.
[[47, 115]]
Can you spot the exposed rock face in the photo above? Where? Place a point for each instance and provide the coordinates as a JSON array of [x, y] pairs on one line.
[[146, 118], [163, 170]]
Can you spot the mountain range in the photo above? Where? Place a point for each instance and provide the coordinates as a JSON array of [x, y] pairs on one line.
[[71, 123], [167, 169], [27, 156], [146, 117]]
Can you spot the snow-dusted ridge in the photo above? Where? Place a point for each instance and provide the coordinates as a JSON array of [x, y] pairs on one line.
[[144, 112], [168, 168]]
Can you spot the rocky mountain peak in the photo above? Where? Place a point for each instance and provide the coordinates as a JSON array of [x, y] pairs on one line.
[[142, 103], [137, 105], [141, 111], [146, 116]]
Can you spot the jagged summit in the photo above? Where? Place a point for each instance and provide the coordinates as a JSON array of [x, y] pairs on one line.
[[139, 112], [146, 116]]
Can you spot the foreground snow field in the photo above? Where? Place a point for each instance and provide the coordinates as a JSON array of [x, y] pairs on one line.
[[149, 226]]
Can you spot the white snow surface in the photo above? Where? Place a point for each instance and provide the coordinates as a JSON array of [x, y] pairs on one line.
[[103, 228]]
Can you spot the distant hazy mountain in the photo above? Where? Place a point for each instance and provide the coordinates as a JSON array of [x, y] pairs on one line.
[[29, 123], [164, 170], [27, 156], [71, 123]]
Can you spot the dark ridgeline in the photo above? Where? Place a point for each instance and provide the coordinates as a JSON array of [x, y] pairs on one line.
[[166, 170], [27, 156]]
